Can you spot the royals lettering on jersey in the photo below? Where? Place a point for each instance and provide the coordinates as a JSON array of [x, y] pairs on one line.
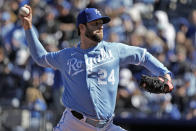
[[76, 66], [101, 59]]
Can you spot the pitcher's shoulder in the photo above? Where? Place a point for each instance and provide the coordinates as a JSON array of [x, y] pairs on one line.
[[66, 51], [111, 44]]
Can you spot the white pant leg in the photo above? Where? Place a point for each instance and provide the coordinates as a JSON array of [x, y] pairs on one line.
[[69, 123], [113, 127]]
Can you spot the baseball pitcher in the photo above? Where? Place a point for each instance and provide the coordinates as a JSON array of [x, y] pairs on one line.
[[91, 72]]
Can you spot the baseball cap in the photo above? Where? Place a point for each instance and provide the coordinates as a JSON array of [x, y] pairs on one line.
[[90, 14]]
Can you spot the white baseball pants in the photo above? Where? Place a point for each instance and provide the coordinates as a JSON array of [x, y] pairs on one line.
[[70, 123]]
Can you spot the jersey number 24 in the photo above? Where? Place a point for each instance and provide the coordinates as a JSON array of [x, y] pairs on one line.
[[105, 77]]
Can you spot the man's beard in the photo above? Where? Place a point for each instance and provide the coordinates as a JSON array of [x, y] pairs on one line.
[[93, 37]]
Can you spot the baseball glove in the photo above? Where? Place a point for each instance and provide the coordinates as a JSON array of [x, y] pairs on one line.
[[156, 84]]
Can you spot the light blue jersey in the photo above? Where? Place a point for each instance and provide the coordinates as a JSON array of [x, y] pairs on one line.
[[91, 76]]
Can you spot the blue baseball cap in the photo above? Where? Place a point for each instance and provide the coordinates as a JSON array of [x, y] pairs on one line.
[[90, 14]]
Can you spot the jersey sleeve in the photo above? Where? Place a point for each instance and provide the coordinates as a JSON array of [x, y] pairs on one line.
[[39, 54], [130, 54], [154, 65], [140, 56], [55, 59]]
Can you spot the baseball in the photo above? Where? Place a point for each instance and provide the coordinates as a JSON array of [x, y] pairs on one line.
[[24, 11]]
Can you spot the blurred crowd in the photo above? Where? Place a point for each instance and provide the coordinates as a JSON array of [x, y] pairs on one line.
[[166, 28]]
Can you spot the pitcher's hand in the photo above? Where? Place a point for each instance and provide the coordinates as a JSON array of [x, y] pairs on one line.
[[27, 20]]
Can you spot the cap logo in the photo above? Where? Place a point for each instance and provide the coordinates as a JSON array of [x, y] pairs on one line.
[[97, 12]]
